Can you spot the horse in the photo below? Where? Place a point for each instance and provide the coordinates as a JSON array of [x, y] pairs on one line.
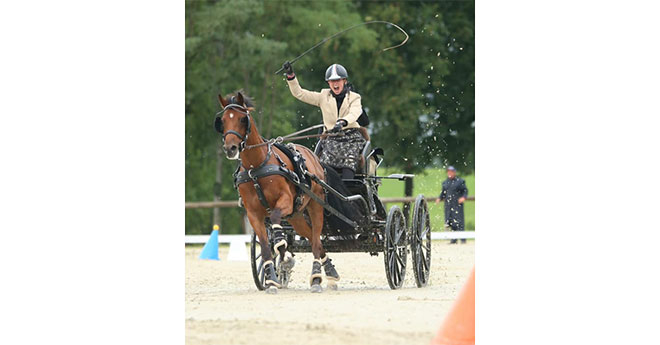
[[242, 142]]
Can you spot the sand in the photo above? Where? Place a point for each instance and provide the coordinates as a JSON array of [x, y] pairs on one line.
[[223, 306]]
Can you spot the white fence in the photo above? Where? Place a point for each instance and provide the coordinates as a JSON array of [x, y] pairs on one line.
[[444, 235]]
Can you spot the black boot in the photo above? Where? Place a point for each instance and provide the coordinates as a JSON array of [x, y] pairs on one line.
[[278, 238], [316, 278], [330, 272], [271, 283]]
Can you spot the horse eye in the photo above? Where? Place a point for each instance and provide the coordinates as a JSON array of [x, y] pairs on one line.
[[219, 127], [244, 120]]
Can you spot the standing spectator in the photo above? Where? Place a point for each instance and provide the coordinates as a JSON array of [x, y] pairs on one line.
[[454, 192]]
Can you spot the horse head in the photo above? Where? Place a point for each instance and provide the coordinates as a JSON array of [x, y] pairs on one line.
[[234, 123]]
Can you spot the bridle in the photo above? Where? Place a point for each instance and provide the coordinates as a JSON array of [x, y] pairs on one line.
[[240, 109], [243, 144]]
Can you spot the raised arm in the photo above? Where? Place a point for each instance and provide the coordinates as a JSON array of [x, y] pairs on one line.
[[309, 97], [306, 96]]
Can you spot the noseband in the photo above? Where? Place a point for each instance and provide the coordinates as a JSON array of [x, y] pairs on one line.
[[244, 111]]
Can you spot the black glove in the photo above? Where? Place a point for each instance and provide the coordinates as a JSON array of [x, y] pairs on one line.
[[288, 69], [338, 126]]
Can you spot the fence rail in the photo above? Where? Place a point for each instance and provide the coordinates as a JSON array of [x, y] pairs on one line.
[[442, 235], [234, 203]]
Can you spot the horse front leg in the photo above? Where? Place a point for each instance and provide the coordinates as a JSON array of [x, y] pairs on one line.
[[283, 207], [271, 283]]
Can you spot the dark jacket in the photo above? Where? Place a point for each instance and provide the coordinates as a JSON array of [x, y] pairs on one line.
[[452, 190]]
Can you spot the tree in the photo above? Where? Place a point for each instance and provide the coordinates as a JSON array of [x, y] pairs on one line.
[[233, 45], [422, 94], [420, 97]]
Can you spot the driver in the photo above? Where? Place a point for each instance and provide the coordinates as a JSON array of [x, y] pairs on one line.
[[341, 109]]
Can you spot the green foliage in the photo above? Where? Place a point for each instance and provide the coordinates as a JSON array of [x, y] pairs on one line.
[[429, 183], [424, 90], [420, 97]]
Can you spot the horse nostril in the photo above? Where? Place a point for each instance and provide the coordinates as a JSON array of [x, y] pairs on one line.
[[231, 149]]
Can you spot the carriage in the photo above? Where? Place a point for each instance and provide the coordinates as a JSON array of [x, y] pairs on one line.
[[393, 232], [277, 183]]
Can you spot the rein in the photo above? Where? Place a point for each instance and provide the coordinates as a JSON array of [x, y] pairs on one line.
[[291, 137]]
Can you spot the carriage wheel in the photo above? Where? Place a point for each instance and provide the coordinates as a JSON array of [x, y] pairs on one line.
[[258, 273], [395, 248], [421, 242]]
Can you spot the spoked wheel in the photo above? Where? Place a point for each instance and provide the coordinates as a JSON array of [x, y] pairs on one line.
[[258, 265], [421, 242], [395, 248]]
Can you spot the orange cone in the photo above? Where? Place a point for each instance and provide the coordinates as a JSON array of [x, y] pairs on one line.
[[458, 328]]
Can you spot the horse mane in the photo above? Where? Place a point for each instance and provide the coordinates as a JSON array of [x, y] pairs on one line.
[[231, 98]]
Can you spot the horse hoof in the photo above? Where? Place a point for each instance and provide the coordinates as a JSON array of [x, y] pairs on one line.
[[332, 286], [271, 290], [316, 288]]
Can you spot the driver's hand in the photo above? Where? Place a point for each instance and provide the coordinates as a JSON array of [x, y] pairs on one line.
[[288, 69], [338, 127]]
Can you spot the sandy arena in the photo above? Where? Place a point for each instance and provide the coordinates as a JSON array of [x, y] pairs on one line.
[[223, 306]]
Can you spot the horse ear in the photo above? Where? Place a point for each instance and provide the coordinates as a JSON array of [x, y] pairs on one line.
[[219, 127], [240, 100], [222, 100]]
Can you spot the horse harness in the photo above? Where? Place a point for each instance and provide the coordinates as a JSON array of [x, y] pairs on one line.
[[239, 109], [265, 169], [303, 185]]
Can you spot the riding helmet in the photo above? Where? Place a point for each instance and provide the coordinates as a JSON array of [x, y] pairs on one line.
[[335, 72]]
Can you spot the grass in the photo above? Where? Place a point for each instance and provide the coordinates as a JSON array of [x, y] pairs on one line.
[[429, 183]]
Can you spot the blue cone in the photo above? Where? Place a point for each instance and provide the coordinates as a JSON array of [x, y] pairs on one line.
[[210, 251]]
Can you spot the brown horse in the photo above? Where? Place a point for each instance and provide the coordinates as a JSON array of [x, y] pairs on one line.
[[241, 141]]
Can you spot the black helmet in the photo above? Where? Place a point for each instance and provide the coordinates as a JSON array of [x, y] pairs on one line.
[[335, 72]]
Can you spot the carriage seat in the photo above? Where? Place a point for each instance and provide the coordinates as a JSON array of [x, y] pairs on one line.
[[369, 160]]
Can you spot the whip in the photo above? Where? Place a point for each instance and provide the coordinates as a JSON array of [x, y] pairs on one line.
[[348, 29]]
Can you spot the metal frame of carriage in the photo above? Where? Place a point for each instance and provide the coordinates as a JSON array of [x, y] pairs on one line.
[[392, 232]]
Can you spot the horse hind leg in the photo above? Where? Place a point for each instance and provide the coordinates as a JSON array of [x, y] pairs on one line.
[[316, 278], [330, 272], [304, 230], [316, 215]]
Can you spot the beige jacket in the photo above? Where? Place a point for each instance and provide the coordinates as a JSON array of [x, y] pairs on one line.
[[351, 107]]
